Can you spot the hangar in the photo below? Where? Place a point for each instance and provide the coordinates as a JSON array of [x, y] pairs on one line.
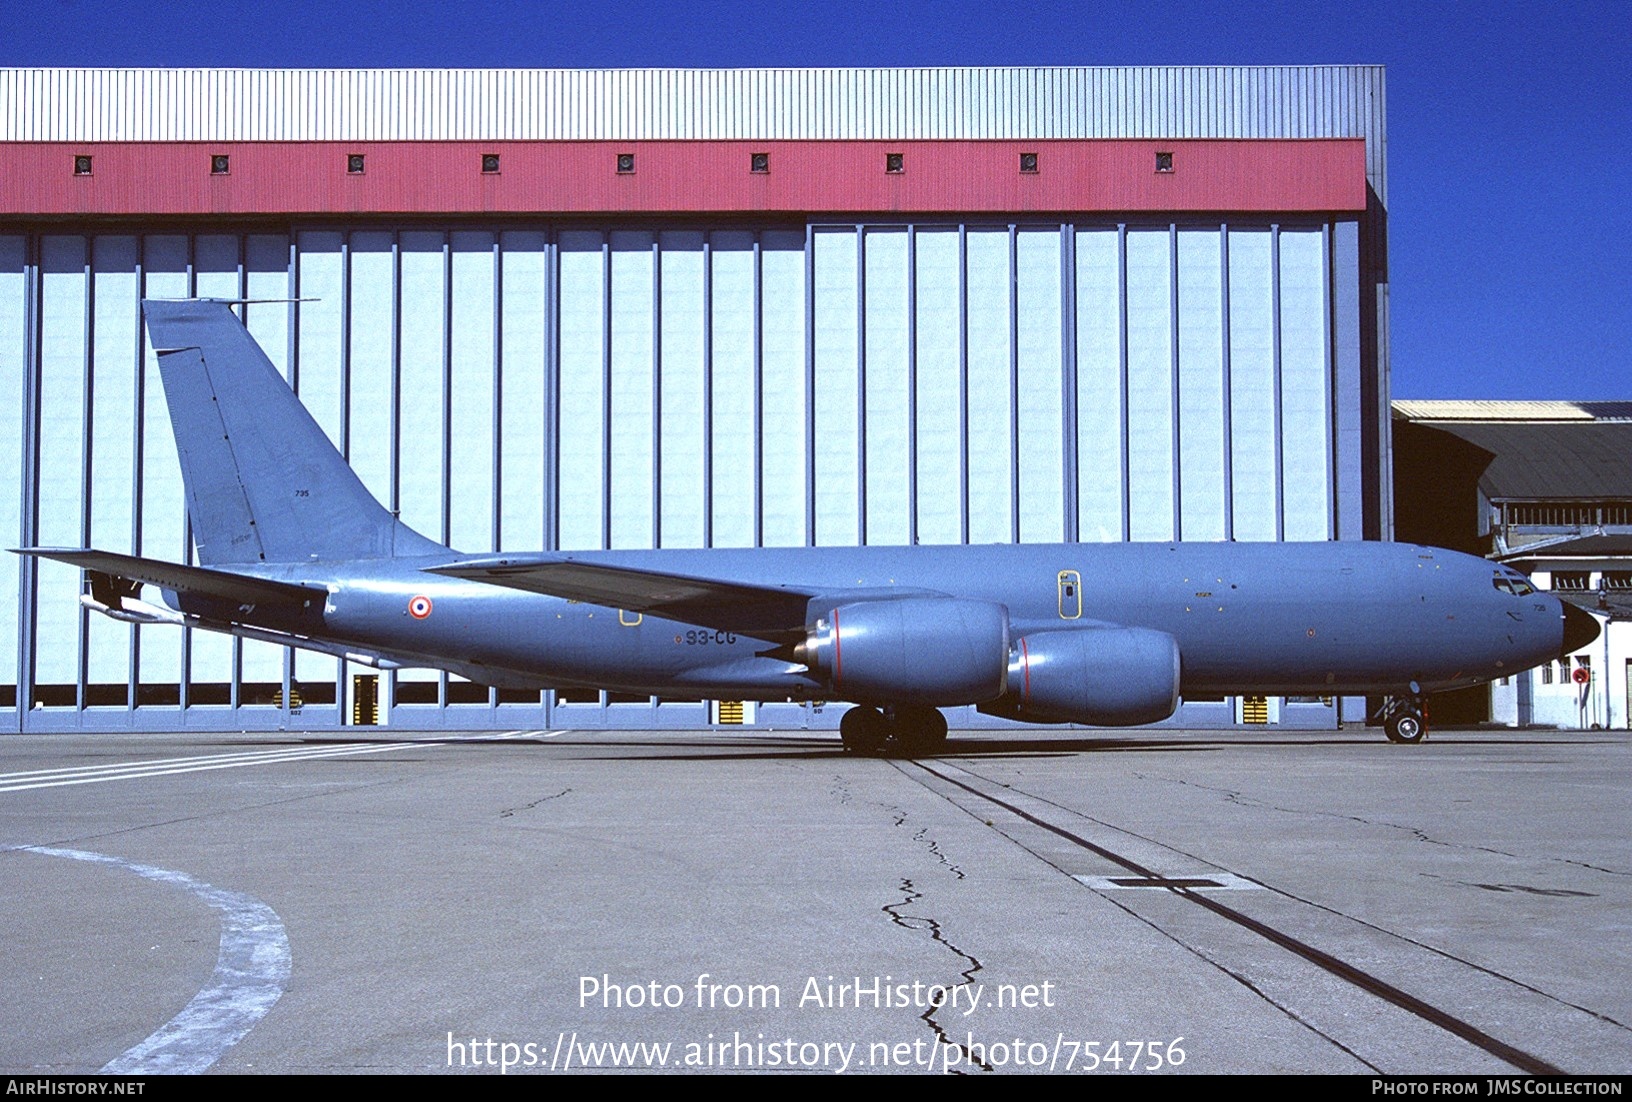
[[665, 308], [1544, 487]]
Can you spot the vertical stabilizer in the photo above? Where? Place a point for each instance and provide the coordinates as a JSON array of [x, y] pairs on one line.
[[264, 482]]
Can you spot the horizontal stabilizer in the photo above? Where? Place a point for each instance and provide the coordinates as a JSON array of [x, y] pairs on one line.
[[182, 579], [775, 613]]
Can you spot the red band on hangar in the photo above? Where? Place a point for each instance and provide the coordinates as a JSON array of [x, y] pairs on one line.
[[854, 176]]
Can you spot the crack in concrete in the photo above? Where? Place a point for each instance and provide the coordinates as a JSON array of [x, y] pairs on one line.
[[920, 923], [1237, 797], [509, 811], [922, 837]]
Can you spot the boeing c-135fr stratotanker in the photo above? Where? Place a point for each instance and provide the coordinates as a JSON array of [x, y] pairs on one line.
[[294, 550]]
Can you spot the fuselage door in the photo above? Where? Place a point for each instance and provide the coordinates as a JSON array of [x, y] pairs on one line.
[[1070, 595]]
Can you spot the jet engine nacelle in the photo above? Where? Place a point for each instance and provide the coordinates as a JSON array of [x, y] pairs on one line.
[[939, 651], [1110, 677]]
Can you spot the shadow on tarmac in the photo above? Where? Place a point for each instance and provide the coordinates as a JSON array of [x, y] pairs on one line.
[[795, 747]]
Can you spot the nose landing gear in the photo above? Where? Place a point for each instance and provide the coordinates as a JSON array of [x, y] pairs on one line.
[[913, 729]]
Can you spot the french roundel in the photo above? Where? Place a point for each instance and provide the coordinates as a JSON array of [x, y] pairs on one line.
[[419, 607]]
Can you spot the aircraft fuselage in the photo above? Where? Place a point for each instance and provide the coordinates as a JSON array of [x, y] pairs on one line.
[[1328, 618]]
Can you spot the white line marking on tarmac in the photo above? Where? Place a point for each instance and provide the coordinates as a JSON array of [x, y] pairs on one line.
[[56, 778], [162, 767], [251, 968]]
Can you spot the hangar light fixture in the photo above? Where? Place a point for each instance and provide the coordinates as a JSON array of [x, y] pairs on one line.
[[490, 164], [82, 165], [354, 163], [219, 164], [1164, 162], [895, 162], [626, 163], [1028, 163], [759, 162]]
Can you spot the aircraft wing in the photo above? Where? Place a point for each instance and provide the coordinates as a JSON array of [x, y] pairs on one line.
[[203, 581], [774, 613]]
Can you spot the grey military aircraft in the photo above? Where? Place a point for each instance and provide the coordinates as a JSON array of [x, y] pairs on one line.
[[294, 550]]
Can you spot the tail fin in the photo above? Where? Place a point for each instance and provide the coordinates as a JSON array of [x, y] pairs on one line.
[[264, 483]]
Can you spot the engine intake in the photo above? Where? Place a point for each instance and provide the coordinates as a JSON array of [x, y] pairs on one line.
[[940, 651], [1109, 677]]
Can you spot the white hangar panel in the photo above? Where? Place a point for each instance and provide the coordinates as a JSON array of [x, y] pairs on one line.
[[1039, 380], [15, 350], [1202, 492], [734, 388], [472, 389], [1306, 413], [886, 366], [987, 304], [1254, 414], [939, 401], [628, 445], [582, 369], [115, 339], [683, 391], [1152, 512], [835, 377], [1101, 394], [784, 442], [372, 389], [62, 387], [421, 366], [525, 431]]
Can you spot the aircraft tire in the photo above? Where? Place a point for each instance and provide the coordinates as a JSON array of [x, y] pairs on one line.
[[919, 730], [1406, 727], [864, 730]]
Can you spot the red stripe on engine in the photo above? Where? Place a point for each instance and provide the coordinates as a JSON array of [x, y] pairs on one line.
[[837, 664]]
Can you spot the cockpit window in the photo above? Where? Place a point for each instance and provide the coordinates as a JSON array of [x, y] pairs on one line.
[[1515, 584]]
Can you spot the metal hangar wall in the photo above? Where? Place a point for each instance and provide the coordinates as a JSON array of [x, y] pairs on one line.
[[542, 309]]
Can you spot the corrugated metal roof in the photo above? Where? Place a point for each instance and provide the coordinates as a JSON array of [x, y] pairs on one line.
[[1512, 411], [151, 105], [1552, 460], [1600, 546]]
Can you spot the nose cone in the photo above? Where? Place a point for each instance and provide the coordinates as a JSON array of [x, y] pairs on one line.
[[1580, 629]]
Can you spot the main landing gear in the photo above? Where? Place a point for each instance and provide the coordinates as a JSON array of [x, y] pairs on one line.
[[911, 729], [1403, 719]]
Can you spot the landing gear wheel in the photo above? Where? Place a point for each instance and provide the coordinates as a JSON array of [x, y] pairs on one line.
[[1405, 725], [919, 730], [864, 730]]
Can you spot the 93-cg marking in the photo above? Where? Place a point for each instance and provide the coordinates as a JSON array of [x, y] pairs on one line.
[[705, 638]]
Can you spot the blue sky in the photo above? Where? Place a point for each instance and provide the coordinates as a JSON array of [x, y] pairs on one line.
[[1509, 125]]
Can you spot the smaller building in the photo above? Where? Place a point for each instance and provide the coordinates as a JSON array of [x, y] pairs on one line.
[[1544, 487]]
